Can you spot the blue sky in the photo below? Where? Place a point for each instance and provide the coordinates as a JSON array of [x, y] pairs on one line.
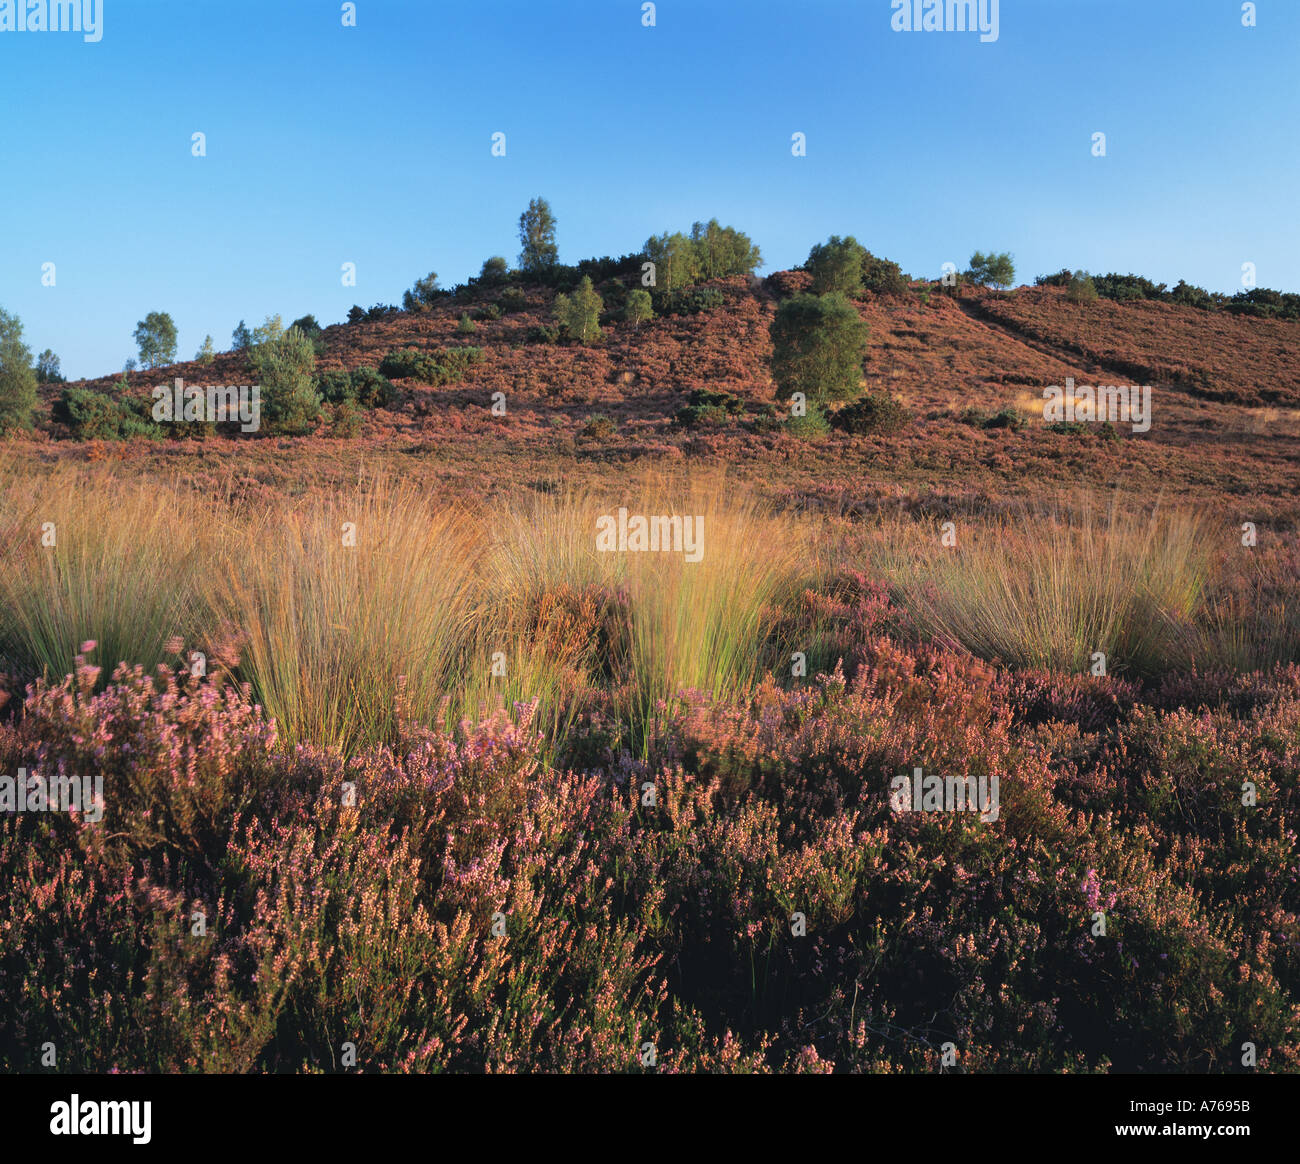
[[372, 145]]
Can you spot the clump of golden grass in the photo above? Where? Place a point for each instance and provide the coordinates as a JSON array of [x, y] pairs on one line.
[[1050, 590], [698, 624], [353, 610], [84, 558], [356, 610]]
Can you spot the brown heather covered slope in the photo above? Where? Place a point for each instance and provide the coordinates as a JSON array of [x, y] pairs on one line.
[[1225, 394]]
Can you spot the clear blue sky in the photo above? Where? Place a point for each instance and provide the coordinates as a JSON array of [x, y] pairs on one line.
[[372, 145]]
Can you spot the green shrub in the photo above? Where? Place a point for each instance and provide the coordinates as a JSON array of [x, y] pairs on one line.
[[313, 331], [691, 301], [466, 325], [812, 425], [874, 413], [363, 386], [436, 369], [545, 334], [488, 313], [423, 295], [1062, 278], [345, 420], [883, 277], [90, 415], [709, 408], [1125, 287], [818, 344], [494, 272], [1008, 418], [286, 367], [513, 299]]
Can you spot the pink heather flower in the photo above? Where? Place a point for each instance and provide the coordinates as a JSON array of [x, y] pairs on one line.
[[88, 646], [1091, 886]]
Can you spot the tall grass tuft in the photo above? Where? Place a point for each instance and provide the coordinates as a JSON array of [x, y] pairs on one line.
[[354, 610], [1050, 590], [86, 557]]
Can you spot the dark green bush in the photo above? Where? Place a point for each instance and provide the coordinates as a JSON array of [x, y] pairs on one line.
[[513, 299], [345, 421], [1008, 418], [883, 277], [875, 413], [363, 386], [812, 425], [91, 415], [545, 334], [690, 301], [707, 408], [436, 369]]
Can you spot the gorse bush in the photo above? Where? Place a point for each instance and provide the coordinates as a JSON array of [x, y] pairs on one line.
[[436, 369], [883, 277], [364, 387], [513, 299], [706, 408], [809, 426], [873, 413], [90, 415], [691, 301]]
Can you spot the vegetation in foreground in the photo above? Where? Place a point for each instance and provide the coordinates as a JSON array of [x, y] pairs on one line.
[[449, 786]]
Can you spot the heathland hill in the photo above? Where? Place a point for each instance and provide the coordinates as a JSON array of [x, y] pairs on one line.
[[970, 369]]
